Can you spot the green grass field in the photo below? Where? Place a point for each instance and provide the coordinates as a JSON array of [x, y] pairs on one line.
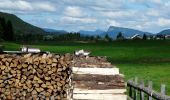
[[148, 60]]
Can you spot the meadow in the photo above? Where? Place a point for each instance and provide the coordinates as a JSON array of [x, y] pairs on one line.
[[148, 60]]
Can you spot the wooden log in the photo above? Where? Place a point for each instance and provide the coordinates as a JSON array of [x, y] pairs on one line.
[[98, 85], [27, 76], [96, 77]]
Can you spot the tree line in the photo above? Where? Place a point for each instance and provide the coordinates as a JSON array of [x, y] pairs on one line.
[[76, 36], [6, 29]]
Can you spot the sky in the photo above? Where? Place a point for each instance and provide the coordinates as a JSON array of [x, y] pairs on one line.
[[74, 15]]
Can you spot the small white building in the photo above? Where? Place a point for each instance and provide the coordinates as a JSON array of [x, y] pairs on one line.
[[31, 50], [82, 52]]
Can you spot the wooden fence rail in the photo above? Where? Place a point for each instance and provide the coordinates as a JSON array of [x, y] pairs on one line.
[[145, 93]]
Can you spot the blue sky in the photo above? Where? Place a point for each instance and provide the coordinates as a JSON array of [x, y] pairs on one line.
[[74, 15]]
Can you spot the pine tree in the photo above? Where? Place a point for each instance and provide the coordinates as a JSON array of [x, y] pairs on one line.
[[120, 36], [108, 38], [2, 27], [9, 31], [144, 37]]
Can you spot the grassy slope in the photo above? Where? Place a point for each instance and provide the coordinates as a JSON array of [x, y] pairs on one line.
[[148, 60]]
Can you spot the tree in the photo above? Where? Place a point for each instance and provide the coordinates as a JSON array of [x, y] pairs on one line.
[[92, 38], [120, 36], [2, 27], [108, 38], [1, 31], [9, 31], [97, 38], [144, 37], [6, 29], [164, 38]]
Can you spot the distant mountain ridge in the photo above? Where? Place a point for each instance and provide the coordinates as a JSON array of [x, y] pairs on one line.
[[127, 32], [20, 26], [113, 32], [165, 32], [53, 31], [92, 33]]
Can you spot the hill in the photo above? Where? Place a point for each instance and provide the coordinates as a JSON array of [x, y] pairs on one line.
[[55, 32], [92, 33], [20, 26], [165, 32], [127, 32]]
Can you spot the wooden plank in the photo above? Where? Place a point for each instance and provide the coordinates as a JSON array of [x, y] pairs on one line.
[[136, 91], [108, 91], [150, 84], [98, 85], [142, 95], [95, 77], [99, 97], [163, 91], [12, 51], [88, 65], [101, 71]]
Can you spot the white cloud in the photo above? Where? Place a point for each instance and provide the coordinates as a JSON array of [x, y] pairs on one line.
[[118, 14], [163, 22], [157, 1], [73, 20], [50, 20], [45, 6], [26, 6], [73, 11], [153, 12], [146, 1], [9, 4], [112, 23]]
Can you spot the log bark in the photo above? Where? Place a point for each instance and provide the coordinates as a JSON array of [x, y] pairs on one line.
[[34, 76]]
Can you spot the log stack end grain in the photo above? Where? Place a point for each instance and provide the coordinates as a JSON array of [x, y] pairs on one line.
[[34, 76]]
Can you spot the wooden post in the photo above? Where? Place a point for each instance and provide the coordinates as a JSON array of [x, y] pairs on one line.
[[150, 84], [142, 96], [135, 90], [130, 91], [163, 91]]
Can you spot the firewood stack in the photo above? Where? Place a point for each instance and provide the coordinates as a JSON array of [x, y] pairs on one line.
[[92, 61], [34, 76], [94, 78]]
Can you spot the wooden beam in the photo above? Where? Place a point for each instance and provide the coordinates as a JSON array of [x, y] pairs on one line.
[[108, 91], [99, 97], [100, 78], [99, 85], [101, 71]]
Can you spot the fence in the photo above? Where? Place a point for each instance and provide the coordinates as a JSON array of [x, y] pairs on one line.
[[137, 90]]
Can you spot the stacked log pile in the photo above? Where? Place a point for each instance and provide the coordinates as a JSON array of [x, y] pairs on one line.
[[34, 76], [95, 78], [91, 61]]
